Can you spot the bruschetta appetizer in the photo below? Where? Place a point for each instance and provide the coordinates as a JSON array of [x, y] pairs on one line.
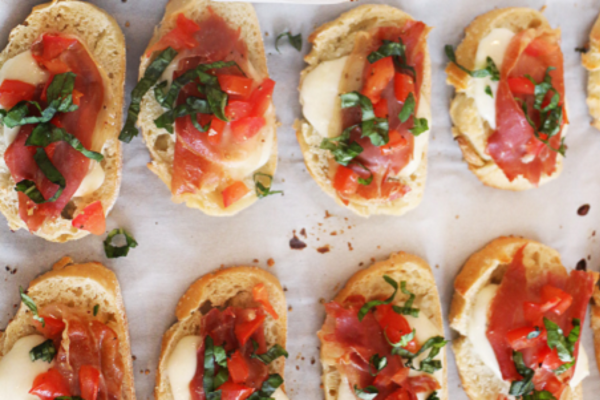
[[204, 105], [591, 61], [519, 316], [69, 339], [383, 335], [509, 111], [365, 102], [228, 341], [61, 95]]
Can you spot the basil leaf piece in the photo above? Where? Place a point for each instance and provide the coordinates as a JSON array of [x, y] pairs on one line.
[[378, 363], [217, 100], [539, 395], [363, 181], [488, 91], [50, 172], [408, 108], [43, 351], [524, 386], [428, 364], [272, 354], [192, 106], [220, 356], [387, 49], [60, 92], [490, 69], [268, 388], [208, 380], [403, 342], [96, 309], [433, 396], [151, 76], [407, 309], [264, 190], [368, 393], [355, 99], [120, 251], [221, 377], [564, 368], [45, 134], [420, 125], [374, 303], [556, 340], [29, 303], [295, 40], [343, 152], [376, 129]]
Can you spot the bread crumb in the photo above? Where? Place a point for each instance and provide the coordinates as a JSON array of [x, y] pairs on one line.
[[327, 215], [270, 262], [324, 249], [350, 248], [334, 233], [583, 210], [312, 361], [303, 232], [290, 308], [255, 261], [127, 24], [322, 300]]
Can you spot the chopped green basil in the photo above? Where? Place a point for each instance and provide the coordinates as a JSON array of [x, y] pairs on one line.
[[151, 76], [342, 151], [46, 133], [488, 91], [268, 388], [524, 386], [490, 69], [50, 172], [192, 106], [408, 108], [44, 351], [29, 303], [271, 355], [378, 363], [376, 129], [428, 364], [96, 309], [264, 190], [295, 40], [433, 396], [363, 181], [387, 49], [404, 339], [407, 309], [221, 377], [565, 346], [539, 395], [208, 380], [220, 356], [368, 393], [420, 125], [374, 303], [121, 251]]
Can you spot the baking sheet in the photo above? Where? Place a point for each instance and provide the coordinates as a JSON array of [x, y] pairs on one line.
[[458, 214]]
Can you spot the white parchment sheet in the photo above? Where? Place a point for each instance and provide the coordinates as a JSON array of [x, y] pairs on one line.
[[458, 214]]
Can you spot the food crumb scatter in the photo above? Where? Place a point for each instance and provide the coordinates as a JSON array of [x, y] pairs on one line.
[[350, 246], [270, 262], [583, 210], [581, 265], [324, 249]]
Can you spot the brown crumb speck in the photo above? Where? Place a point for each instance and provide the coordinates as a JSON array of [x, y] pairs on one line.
[[324, 249], [583, 210], [372, 259], [270, 262], [327, 215], [334, 233], [290, 308], [127, 24], [581, 265], [350, 246], [296, 244], [322, 300], [361, 264], [255, 261], [303, 232], [285, 289], [147, 372], [297, 368], [133, 358], [312, 361]]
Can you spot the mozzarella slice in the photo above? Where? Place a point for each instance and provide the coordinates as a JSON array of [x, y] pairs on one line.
[[17, 371], [582, 367], [92, 181], [181, 366], [280, 395], [320, 92], [494, 46]]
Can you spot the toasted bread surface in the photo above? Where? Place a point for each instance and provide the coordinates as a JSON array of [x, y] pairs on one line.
[[469, 126], [591, 61], [331, 41], [370, 284], [161, 144], [595, 322], [230, 286], [80, 286], [484, 267], [105, 42]]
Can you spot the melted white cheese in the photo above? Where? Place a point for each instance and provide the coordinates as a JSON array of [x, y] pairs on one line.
[[582, 367], [92, 181], [280, 395], [181, 366], [345, 392], [476, 331], [494, 46], [17, 371], [24, 68], [320, 93]]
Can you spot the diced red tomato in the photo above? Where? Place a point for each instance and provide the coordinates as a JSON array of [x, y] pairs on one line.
[[237, 109], [378, 76], [13, 91], [517, 338], [91, 219], [47, 51], [89, 381], [50, 385], [403, 85], [235, 85], [381, 109], [533, 313], [238, 367], [215, 132], [261, 97], [244, 330], [555, 300], [396, 141], [521, 85], [234, 193], [52, 328], [345, 180], [551, 360], [77, 95], [394, 325], [180, 38], [233, 391], [260, 295], [400, 394], [246, 128]]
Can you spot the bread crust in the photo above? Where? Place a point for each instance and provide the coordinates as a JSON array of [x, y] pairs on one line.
[[369, 283], [161, 144], [486, 266], [469, 126], [331, 41], [105, 42], [81, 286], [591, 61], [220, 288]]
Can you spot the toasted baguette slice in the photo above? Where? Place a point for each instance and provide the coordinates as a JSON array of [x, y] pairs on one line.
[[231, 286], [81, 286], [161, 144], [370, 284], [469, 125], [482, 268], [591, 61], [105, 42], [595, 322], [331, 41]]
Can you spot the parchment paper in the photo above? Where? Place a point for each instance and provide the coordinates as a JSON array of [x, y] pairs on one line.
[[457, 216]]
